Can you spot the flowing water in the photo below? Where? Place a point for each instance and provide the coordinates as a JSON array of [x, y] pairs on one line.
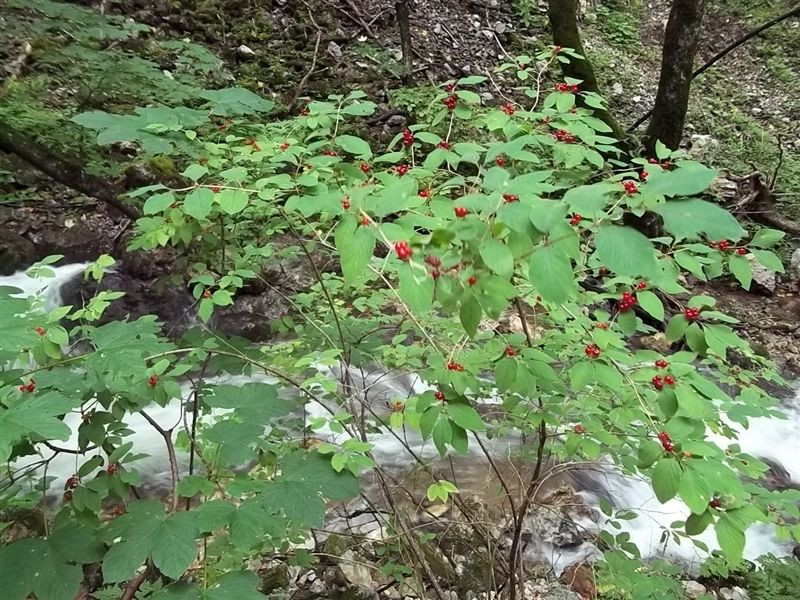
[[771, 439]]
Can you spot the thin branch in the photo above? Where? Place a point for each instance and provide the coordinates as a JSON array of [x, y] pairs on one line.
[[301, 86], [727, 50], [173, 459]]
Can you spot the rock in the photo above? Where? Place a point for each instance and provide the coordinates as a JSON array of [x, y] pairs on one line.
[[734, 593], [693, 590], [16, 253], [245, 52], [794, 266], [334, 50], [580, 579], [616, 89], [354, 570], [703, 147], [764, 280]]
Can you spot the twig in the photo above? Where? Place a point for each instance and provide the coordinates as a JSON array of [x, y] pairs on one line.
[[727, 50], [14, 68], [134, 584], [173, 459]]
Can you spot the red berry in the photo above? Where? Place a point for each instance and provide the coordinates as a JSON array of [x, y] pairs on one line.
[[118, 510], [436, 273], [741, 251], [510, 351], [658, 383], [439, 396], [579, 429], [365, 221], [592, 351], [508, 108], [68, 496], [575, 219], [408, 138], [29, 387], [454, 366], [112, 468], [460, 211], [346, 203], [642, 285], [284, 146], [561, 87], [668, 446], [207, 294], [450, 102], [215, 189], [472, 280], [450, 87], [664, 436], [40, 330], [630, 186], [500, 161], [401, 169], [723, 245], [152, 380], [433, 260], [669, 380], [365, 168], [557, 49], [425, 193], [330, 153], [644, 175], [715, 503], [691, 313], [627, 302], [403, 250], [444, 145], [575, 88], [662, 364], [73, 482], [652, 161]]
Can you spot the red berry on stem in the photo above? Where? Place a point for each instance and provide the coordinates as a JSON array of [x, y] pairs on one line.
[[439, 395], [152, 380], [691, 314], [454, 366], [460, 211], [40, 330], [401, 169], [715, 503], [741, 251], [403, 250], [669, 380], [425, 193], [450, 102], [68, 496], [346, 203], [509, 198], [662, 364], [510, 351], [444, 145], [215, 189], [579, 429], [364, 166], [472, 280], [658, 383], [112, 468], [365, 221], [508, 108], [575, 219]]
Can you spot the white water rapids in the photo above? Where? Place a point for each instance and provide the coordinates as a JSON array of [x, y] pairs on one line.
[[768, 438]]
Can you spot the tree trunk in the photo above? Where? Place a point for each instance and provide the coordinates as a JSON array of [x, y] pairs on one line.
[[563, 15], [681, 39], [404, 23], [63, 171]]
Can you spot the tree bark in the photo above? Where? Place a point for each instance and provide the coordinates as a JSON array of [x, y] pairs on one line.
[[563, 15], [681, 39], [63, 171], [404, 24]]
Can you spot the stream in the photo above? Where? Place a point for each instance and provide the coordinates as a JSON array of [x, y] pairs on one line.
[[772, 439]]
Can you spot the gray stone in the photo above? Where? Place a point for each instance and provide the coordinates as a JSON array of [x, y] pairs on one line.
[[734, 593], [764, 280], [693, 590], [245, 52], [794, 266]]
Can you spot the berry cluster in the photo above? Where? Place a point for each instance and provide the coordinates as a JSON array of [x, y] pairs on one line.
[[592, 351], [305, 112], [401, 169], [450, 102], [627, 302], [630, 186], [29, 387], [579, 429], [112, 468], [666, 441], [566, 87], [450, 87], [403, 250], [460, 211], [564, 136], [510, 351], [40, 330], [500, 161], [152, 380], [346, 203], [425, 193], [508, 108], [439, 396], [691, 314], [641, 286], [72, 483], [715, 503], [454, 366], [575, 219], [365, 168], [435, 263], [659, 382], [666, 165], [661, 364], [444, 145], [329, 152], [397, 406], [408, 138], [509, 198], [118, 510]]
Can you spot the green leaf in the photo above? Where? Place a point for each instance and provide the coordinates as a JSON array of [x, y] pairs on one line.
[[497, 257], [236, 101], [626, 252], [697, 523], [470, 314], [768, 260], [416, 289], [731, 539], [766, 238], [355, 250], [690, 179], [232, 201], [676, 328], [550, 271], [649, 452], [651, 304], [175, 547], [741, 269], [158, 203], [666, 479], [690, 219], [195, 171], [198, 203], [354, 145], [590, 201], [465, 416], [662, 151], [695, 491], [505, 373]]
